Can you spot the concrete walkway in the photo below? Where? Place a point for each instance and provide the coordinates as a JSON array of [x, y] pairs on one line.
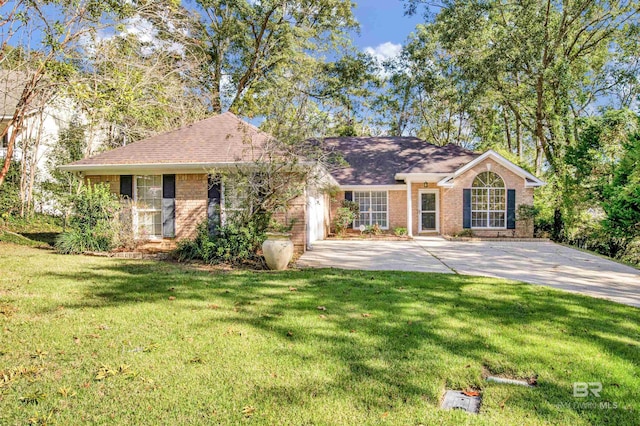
[[543, 263], [371, 256]]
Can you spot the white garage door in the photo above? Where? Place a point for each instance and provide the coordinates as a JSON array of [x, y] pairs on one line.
[[315, 216]]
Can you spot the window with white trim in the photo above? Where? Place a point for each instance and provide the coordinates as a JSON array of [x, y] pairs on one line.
[[5, 138], [148, 198], [235, 198], [373, 208], [488, 201]]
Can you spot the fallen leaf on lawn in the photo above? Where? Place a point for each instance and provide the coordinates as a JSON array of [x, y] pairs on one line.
[[94, 336], [172, 298], [366, 315], [504, 402], [293, 289], [323, 316], [248, 411], [321, 308], [151, 346], [39, 354], [289, 333], [103, 327], [471, 393], [352, 331], [33, 398], [385, 414], [66, 392], [214, 306]]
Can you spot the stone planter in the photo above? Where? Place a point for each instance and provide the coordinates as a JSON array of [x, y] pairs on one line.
[[277, 250]]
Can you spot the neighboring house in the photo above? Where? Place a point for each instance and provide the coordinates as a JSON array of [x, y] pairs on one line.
[[42, 124], [397, 182]]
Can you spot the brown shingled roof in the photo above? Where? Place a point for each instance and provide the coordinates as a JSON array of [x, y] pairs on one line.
[[221, 139], [376, 160]]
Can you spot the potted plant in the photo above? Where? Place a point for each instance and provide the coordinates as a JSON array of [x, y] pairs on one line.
[[278, 247]]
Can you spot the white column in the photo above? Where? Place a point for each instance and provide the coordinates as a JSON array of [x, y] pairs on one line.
[[409, 209]]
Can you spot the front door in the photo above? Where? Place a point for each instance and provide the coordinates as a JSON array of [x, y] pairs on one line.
[[429, 211]]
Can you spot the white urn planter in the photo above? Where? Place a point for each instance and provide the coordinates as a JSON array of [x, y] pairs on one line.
[[277, 250]]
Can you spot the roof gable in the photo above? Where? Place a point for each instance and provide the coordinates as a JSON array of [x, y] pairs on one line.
[[530, 180], [220, 139], [378, 160]]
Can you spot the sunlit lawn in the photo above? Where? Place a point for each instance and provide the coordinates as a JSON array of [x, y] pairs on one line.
[[106, 341]]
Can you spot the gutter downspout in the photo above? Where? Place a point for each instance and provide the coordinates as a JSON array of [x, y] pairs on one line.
[[409, 208]]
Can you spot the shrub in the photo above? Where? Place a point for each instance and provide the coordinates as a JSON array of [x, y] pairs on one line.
[[345, 215], [231, 243], [631, 253], [10, 191], [372, 229], [92, 223], [465, 233], [75, 241], [400, 231], [592, 235], [344, 219]]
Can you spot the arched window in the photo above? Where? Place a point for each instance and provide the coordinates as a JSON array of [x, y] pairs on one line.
[[488, 201]]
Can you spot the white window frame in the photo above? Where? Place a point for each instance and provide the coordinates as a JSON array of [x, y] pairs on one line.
[[386, 193], [224, 209], [137, 210], [488, 210], [429, 191]]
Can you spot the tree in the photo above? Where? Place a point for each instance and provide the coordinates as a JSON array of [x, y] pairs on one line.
[[132, 88], [247, 42], [26, 24], [541, 60]]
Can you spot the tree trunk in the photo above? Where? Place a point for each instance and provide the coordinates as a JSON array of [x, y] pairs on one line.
[[506, 128], [519, 139]]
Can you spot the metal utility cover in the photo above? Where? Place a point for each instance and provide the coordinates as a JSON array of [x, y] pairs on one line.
[[458, 400]]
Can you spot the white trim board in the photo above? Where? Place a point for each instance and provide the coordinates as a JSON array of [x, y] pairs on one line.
[[530, 181], [435, 191], [399, 187]]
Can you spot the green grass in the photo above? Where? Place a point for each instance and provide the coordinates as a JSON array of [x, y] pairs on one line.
[[37, 230], [88, 340]]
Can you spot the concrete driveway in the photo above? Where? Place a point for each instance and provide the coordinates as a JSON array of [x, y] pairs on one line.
[[543, 263]]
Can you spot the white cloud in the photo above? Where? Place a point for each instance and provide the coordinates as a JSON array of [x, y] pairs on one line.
[[384, 51], [140, 27]]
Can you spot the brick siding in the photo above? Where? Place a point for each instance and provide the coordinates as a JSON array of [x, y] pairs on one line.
[[297, 213], [112, 180], [451, 205], [191, 207], [191, 204]]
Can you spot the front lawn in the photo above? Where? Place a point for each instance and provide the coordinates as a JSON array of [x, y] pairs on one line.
[[107, 341]]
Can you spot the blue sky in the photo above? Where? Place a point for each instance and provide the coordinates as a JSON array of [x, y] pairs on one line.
[[383, 25]]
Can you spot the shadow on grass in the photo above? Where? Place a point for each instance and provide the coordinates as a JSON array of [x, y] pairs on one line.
[[402, 336], [43, 237]]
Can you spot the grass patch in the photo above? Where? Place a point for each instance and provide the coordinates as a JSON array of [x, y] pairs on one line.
[[98, 340], [15, 238], [38, 230]]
